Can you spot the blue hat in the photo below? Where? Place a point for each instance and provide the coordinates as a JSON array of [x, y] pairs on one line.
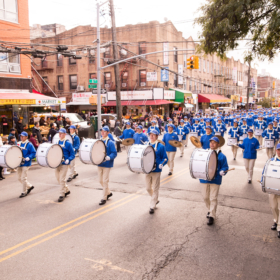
[[185, 117], [153, 121], [62, 130], [169, 119], [128, 123], [216, 139], [105, 128], [154, 131], [275, 120], [278, 146], [72, 127], [208, 126], [207, 120], [181, 120], [250, 130], [171, 125], [235, 121], [140, 126], [270, 123], [24, 134], [244, 120]]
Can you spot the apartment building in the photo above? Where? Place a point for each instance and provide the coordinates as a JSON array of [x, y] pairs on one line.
[[67, 75], [265, 85]]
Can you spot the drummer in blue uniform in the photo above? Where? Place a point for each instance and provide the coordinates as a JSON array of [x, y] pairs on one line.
[[276, 128], [28, 153], [153, 178], [235, 132], [153, 126], [169, 122], [105, 167], [205, 139], [260, 124], [210, 189], [250, 120], [270, 134], [61, 171], [76, 146], [220, 128], [244, 127], [183, 131], [139, 137], [170, 150], [127, 133]]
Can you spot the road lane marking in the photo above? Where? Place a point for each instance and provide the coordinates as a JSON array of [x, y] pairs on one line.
[[103, 262], [173, 176], [134, 196]]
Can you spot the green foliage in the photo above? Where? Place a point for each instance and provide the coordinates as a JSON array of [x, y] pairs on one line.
[[265, 102], [225, 22]]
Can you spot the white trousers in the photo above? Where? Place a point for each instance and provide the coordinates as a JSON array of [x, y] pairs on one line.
[[22, 177], [127, 148], [269, 152], [274, 202], [187, 140], [170, 163], [152, 186], [260, 139], [249, 166], [72, 166], [103, 176], [61, 173], [210, 196], [182, 149], [234, 151]]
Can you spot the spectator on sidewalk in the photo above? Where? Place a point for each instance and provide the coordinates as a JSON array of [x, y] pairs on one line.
[[12, 134], [52, 132], [19, 126], [36, 130], [34, 141]]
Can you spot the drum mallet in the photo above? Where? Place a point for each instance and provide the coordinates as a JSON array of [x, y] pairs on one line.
[[230, 169]]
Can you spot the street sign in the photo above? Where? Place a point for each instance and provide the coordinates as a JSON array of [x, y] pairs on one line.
[[93, 81], [92, 86], [164, 75]]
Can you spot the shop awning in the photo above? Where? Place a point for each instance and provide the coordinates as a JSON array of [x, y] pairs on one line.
[[212, 98], [27, 99], [36, 92], [180, 94], [138, 103]]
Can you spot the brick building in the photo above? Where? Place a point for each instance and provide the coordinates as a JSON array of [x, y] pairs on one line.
[[66, 75], [265, 86]]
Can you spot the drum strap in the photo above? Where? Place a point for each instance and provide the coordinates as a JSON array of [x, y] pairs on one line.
[[25, 144], [63, 145]]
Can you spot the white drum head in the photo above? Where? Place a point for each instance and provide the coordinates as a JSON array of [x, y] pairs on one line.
[[13, 157], [148, 159], [212, 165], [98, 152], [56, 138], [54, 156]]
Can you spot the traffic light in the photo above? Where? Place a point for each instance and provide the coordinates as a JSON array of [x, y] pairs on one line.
[[190, 64], [196, 62], [273, 84]]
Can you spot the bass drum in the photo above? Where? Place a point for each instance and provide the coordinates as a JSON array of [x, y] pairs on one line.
[[203, 164], [10, 156], [49, 155], [271, 177], [92, 151], [56, 138], [141, 159]]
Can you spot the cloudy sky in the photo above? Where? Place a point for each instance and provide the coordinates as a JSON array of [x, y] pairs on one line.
[[72, 13]]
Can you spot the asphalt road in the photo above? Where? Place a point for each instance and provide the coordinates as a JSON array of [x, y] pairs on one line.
[[78, 239]]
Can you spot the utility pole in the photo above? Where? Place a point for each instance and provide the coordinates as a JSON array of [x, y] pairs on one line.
[[116, 67], [248, 85]]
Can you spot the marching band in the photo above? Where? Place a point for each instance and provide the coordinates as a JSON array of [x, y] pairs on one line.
[[249, 131]]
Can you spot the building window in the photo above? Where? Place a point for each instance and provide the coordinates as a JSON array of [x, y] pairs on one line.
[[44, 62], [107, 79], [9, 10], [93, 76], [142, 77], [124, 79], [73, 81], [91, 59], [185, 60], [175, 80], [9, 62], [142, 47], [190, 86], [59, 59], [60, 82], [175, 54], [211, 67], [72, 61], [107, 53], [208, 70], [165, 84], [45, 82]]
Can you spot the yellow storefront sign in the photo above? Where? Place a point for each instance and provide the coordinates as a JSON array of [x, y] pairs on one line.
[[17, 101], [235, 97]]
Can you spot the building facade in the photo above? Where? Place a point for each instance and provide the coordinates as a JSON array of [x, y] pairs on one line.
[[266, 86]]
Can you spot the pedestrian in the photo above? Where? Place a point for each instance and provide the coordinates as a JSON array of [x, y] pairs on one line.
[[105, 167], [1, 168], [118, 132], [29, 153], [12, 134], [42, 120], [52, 132], [19, 127], [33, 139], [36, 130]]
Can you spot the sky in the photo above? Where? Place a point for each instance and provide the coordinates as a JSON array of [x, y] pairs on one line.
[[182, 13]]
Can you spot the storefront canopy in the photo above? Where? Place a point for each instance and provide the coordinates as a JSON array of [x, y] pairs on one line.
[[27, 99], [180, 94], [138, 103], [212, 98]]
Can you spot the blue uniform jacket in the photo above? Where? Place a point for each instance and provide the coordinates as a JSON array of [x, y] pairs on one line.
[[220, 128], [127, 133], [250, 146], [139, 137], [204, 140], [222, 165], [244, 129], [270, 134], [250, 121], [110, 152], [161, 156], [196, 128], [166, 138], [76, 143], [68, 151], [269, 119], [183, 130], [153, 127], [235, 132], [28, 150], [260, 124]]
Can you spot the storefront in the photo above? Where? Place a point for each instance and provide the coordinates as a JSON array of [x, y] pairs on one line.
[[212, 101], [183, 97]]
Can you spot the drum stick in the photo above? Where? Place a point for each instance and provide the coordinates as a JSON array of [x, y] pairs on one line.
[[230, 169], [259, 181]]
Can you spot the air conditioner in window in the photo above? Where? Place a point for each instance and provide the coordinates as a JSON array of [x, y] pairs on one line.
[[15, 68], [123, 84], [3, 67], [107, 85], [142, 84], [80, 88], [123, 52]]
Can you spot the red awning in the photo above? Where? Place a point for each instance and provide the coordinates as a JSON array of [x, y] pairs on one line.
[[36, 92], [212, 98], [138, 103]]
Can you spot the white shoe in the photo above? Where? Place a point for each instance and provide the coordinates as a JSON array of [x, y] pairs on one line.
[[7, 173]]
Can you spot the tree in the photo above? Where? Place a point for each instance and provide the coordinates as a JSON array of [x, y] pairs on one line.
[[225, 22], [265, 102]]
